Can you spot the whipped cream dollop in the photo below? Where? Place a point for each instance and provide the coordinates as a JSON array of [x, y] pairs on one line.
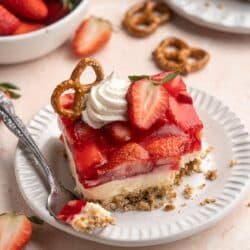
[[106, 102]]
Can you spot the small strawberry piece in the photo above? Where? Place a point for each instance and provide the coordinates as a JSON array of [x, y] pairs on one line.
[[184, 116], [167, 150], [83, 132], [87, 157], [25, 27], [8, 22], [119, 131], [91, 36], [15, 231], [129, 160], [147, 102], [175, 87], [56, 11], [70, 209], [28, 9], [67, 100]]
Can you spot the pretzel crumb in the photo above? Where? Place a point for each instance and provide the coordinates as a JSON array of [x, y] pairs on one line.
[[233, 163], [205, 153], [211, 175], [169, 207], [207, 201], [188, 191], [201, 186]]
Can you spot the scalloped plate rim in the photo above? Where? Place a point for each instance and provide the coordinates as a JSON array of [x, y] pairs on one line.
[[138, 242], [212, 24]]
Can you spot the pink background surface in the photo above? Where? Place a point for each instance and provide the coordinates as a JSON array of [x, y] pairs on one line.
[[226, 77]]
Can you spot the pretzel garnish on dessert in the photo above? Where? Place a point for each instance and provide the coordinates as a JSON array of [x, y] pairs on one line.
[[144, 18], [174, 54], [80, 89]]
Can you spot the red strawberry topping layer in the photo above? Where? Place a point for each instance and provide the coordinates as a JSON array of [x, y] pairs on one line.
[[163, 125]]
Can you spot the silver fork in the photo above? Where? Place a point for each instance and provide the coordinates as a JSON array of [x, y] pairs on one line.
[[58, 195]]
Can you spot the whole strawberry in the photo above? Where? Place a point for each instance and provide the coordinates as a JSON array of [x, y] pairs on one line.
[[29, 9], [8, 22]]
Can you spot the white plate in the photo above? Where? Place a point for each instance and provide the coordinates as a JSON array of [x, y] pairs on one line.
[[223, 130], [225, 15]]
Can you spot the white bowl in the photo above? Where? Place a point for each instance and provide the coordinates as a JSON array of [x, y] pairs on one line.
[[20, 48]]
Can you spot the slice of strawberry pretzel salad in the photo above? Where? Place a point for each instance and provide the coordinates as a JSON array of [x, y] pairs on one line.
[[126, 141]]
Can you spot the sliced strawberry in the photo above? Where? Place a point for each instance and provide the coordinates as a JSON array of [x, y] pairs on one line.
[[8, 22], [15, 231], [184, 116], [91, 36], [129, 160], [175, 87], [70, 209], [25, 27], [147, 102], [167, 150], [119, 131], [88, 157], [28, 9]]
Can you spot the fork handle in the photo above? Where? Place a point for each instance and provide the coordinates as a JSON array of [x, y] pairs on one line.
[[17, 127]]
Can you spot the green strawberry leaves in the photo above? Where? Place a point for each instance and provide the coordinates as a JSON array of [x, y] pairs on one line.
[[166, 79], [10, 90], [70, 4]]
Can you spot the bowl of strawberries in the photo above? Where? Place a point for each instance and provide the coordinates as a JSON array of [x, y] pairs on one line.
[[32, 28]]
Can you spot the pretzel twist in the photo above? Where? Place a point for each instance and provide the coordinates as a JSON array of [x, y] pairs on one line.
[[80, 89], [144, 18], [174, 54]]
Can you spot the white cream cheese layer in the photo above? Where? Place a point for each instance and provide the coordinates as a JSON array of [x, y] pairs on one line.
[[106, 102]]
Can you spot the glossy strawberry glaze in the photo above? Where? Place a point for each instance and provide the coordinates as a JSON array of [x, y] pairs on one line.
[[70, 209], [100, 157]]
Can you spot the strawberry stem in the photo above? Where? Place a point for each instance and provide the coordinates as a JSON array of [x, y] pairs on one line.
[[168, 78], [134, 78]]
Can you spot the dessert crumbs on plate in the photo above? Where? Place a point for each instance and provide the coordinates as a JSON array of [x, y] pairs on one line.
[[211, 175], [188, 191], [189, 169], [201, 186], [205, 153], [207, 201], [145, 200], [169, 207], [233, 163]]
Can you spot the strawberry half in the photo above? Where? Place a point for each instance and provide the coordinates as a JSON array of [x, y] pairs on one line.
[[8, 22], [167, 150], [15, 231], [147, 102], [129, 160], [91, 36], [28, 9]]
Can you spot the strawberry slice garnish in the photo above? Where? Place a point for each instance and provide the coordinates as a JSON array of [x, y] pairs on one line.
[[147, 102], [15, 231], [119, 131], [167, 150], [175, 87], [70, 209], [184, 116], [129, 160], [91, 36]]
